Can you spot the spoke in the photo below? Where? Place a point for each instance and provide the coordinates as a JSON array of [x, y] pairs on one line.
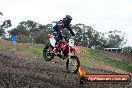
[[72, 65]]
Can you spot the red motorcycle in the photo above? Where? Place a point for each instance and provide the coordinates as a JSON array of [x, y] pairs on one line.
[[66, 50]]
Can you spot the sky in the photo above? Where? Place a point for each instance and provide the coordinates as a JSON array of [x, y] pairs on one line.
[[102, 15]]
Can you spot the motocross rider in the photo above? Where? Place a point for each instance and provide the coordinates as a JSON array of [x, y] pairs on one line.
[[57, 31]]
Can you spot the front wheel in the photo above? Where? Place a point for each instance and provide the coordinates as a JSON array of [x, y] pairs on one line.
[[47, 55], [73, 64]]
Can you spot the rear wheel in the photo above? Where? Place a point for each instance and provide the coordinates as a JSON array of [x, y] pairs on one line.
[[73, 64], [47, 55]]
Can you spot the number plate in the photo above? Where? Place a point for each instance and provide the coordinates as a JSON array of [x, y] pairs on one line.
[[71, 42]]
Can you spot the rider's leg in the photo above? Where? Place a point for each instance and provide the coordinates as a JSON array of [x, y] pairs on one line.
[[55, 50], [57, 46]]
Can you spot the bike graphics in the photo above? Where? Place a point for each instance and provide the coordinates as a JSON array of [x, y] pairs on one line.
[[66, 50]]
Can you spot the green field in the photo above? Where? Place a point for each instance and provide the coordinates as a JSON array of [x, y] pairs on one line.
[[37, 50]]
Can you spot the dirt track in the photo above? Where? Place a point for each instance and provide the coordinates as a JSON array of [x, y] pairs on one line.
[[29, 72]]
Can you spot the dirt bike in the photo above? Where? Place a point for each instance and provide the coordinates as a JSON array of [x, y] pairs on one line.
[[66, 50]]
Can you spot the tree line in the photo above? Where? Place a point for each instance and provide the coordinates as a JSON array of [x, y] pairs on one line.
[[30, 31]]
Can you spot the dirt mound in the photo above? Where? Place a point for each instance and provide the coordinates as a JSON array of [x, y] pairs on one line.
[[17, 71], [20, 69]]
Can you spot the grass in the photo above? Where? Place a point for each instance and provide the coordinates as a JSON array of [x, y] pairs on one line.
[[85, 56], [4, 46], [38, 51], [1, 43], [86, 63], [108, 60]]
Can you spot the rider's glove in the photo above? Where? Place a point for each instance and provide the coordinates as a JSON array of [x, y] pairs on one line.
[[73, 34]]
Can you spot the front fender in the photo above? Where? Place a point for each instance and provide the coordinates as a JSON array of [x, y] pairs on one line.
[[76, 49]]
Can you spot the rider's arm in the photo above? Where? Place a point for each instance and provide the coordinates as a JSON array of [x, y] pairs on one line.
[[69, 28]]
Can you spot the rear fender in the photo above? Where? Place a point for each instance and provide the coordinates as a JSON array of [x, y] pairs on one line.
[[76, 49]]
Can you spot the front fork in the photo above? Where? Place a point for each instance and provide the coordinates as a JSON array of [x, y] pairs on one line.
[[69, 54]]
